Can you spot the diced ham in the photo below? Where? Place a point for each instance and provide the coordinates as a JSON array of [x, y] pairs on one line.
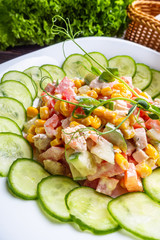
[[53, 153], [74, 138], [128, 80], [118, 191], [140, 123], [41, 142], [139, 155], [140, 138], [105, 169], [107, 185], [96, 83], [53, 167], [50, 125], [92, 184], [65, 122], [65, 84], [50, 88], [131, 180], [130, 148]]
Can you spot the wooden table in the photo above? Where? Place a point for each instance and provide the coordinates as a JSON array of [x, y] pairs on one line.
[[16, 52]]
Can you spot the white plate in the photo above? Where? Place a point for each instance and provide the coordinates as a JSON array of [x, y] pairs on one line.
[[23, 220]]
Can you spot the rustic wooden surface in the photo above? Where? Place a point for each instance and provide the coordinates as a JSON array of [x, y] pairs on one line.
[[12, 53]]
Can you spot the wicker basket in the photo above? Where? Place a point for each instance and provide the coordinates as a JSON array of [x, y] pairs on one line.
[[144, 28]]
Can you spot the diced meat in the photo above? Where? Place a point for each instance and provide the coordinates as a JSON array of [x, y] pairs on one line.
[[105, 169], [128, 80], [107, 185], [131, 180], [139, 155], [156, 102], [140, 138], [130, 148], [65, 84], [50, 125], [92, 184], [65, 122], [98, 84], [50, 88], [55, 168], [41, 141], [74, 138], [53, 153], [118, 191], [121, 108]]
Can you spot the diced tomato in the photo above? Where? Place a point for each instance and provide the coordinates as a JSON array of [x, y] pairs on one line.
[[50, 125], [144, 115], [131, 180], [68, 94], [128, 80], [132, 160], [153, 124], [46, 98], [66, 83]]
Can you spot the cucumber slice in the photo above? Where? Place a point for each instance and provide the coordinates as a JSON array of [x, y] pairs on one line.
[[99, 57], [143, 76], [16, 90], [24, 176], [23, 78], [154, 89], [76, 66], [13, 109], [152, 186], [37, 73], [115, 137], [51, 192], [56, 72], [12, 146], [125, 64], [7, 125], [138, 214], [88, 209]]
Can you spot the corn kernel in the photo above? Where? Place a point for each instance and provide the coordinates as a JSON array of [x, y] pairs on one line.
[[121, 182], [30, 138], [57, 106], [44, 113], [64, 109], [132, 119], [56, 142], [121, 161], [120, 86], [128, 133], [99, 111], [97, 90], [32, 112], [143, 94], [78, 83], [158, 162], [151, 162], [107, 91], [124, 125], [115, 95], [32, 129], [92, 93], [73, 124], [151, 152], [39, 122], [39, 130], [110, 115], [117, 149], [87, 121], [59, 131], [143, 169], [75, 90], [96, 123], [126, 94]]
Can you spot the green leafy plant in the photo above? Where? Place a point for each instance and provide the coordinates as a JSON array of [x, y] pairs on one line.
[[30, 21]]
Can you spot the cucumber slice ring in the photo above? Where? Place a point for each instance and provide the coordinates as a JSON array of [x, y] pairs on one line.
[[125, 64], [56, 72], [16, 90], [152, 186], [12, 146], [99, 57], [154, 88], [88, 209], [24, 176], [8, 125], [13, 109], [137, 213], [76, 66], [51, 193], [143, 76], [23, 78]]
